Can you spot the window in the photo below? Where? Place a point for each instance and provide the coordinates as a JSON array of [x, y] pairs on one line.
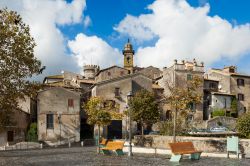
[[231, 70], [122, 73], [191, 106], [225, 103], [168, 115], [117, 92], [128, 59], [50, 121], [109, 74], [10, 136], [189, 77], [212, 85], [241, 97], [70, 103], [240, 82], [190, 118]]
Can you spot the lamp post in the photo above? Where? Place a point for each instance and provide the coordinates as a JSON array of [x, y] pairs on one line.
[[126, 120], [60, 123], [129, 96]]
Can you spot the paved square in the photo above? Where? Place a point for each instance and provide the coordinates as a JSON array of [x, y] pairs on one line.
[[87, 156]]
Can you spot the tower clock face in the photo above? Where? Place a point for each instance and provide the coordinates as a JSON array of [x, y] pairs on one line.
[[128, 60]]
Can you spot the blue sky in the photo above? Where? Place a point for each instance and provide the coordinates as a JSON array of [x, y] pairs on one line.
[[72, 33], [107, 13]]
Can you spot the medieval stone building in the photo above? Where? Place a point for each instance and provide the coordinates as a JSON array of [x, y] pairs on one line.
[[60, 115], [177, 75], [233, 83]]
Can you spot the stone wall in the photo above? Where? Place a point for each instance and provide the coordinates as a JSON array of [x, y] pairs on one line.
[[3, 138], [134, 83], [151, 72], [235, 89], [206, 144], [111, 73], [226, 121]]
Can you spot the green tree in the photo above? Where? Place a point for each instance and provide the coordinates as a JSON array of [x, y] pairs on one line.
[[180, 98], [218, 112], [17, 63], [144, 109], [243, 125], [32, 133], [234, 107], [100, 113]]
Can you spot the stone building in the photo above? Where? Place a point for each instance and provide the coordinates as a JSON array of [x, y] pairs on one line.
[[214, 98], [177, 75], [58, 114], [209, 87], [111, 73], [20, 120], [116, 90], [234, 83], [114, 83], [60, 104]]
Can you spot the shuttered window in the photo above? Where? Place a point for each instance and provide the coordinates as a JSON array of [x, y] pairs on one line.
[[70, 103], [241, 97], [240, 82], [50, 121]]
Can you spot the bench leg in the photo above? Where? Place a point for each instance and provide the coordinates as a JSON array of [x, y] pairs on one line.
[[119, 152], [175, 158], [195, 156], [107, 152]]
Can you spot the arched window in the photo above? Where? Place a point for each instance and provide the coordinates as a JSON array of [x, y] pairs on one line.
[[168, 115]]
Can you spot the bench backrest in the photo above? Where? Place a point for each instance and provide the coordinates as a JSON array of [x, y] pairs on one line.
[[104, 141], [115, 144], [180, 147]]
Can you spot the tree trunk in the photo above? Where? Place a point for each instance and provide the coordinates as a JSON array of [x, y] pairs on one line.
[[174, 130], [142, 129], [98, 144]]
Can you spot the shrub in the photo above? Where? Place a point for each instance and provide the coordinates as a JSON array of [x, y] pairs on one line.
[[32, 133], [166, 127], [243, 125], [218, 112], [219, 123]]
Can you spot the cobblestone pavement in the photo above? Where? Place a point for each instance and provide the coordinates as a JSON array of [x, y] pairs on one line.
[[88, 156]]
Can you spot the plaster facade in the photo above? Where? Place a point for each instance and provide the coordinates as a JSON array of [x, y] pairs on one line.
[[229, 83], [64, 107]]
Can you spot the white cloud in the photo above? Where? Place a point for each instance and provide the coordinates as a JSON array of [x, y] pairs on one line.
[[135, 27], [44, 17], [93, 50], [87, 22], [184, 32], [202, 2]]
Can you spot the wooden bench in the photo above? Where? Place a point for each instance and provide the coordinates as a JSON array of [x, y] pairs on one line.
[[180, 148], [103, 142], [115, 146]]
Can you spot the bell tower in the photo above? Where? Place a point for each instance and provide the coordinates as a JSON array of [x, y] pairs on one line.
[[128, 54]]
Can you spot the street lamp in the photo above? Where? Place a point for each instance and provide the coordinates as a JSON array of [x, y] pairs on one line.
[[129, 96], [126, 121], [60, 123]]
